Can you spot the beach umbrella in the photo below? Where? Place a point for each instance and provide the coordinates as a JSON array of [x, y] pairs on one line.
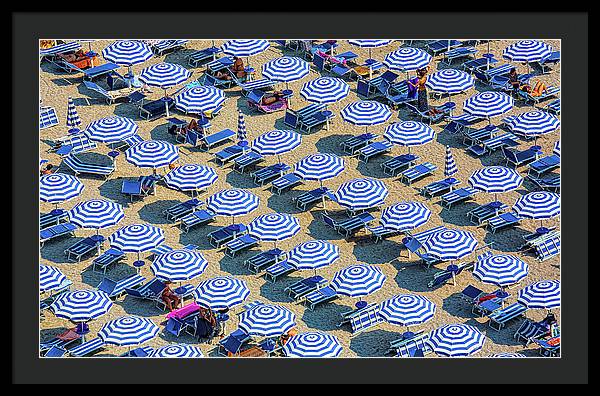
[[369, 43], [366, 113], [313, 344], [179, 265], [232, 202], [361, 193], [177, 351], [51, 278], [404, 216], [127, 53], [325, 90], [59, 187], [81, 305], [500, 269], [319, 166], [191, 177], [557, 148], [137, 238], [488, 104], [407, 59], [111, 129], [313, 254], [73, 120], [507, 355], [221, 292], [450, 167], [244, 48], [267, 320], [495, 179], [152, 154], [534, 123], [409, 133], [450, 244], [241, 132], [527, 51], [538, 205], [128, 331], [456, 340], [96, 213], [274, 227], [70, 46], [200, 99], [276, 142], [358, 280], [542, 294], [407, 310], [450, 81], [164, 75], [285, 69]]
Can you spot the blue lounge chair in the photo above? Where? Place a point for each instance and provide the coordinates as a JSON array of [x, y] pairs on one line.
[[497, 142], [456, 196], [438, 46], [301, 288], [312, 197], [415, 245], [320, 296], [279, 269], [211, 81], [53, 218], [197, 57], [225, 234], [171, 45], [481, 213], [126, 143], [88, 348], [55, 352], [398, 163], [92, 72], [553, 107], [195, 218], [220, 137], [262, 85], [255, 101], [80, 167], [543, 165], [443, 111], [230, 153], [115, 289], [529, 330], [151, 291], [547, 248], [485, 74], [354, 143], [550, 92], [459, 52], [410, 346], [458, 123], [478, 63], [247, 160], [154, 109], [362, 319], [240, 244], [177, 211], [373, 150], [83, 247], [552, 59], [439, 187], [48, 117], [315, 119], [107, 258], [376, 87], [233, 343], [441, 277], [111, 96], [264, 259], [285, 182], [56, 231], [396, 94], [499, 318], [142, 187], [473, 136], [74, 144], [518, 158], [502, 221], [550, 346], [269, 173], [379, 232], [550, 182], [417, 172]]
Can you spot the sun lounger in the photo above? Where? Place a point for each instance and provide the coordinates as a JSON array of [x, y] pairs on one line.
[[208, 141], [198, 57], [407, 347], [230, 153], [150, 291], [80, 167], [456, 196], [354, 143], [322, 295], [478, 63], [373, 150], [285, 182], [62, 340], [110, 96], [552, 59], [356, 223], [458, 123], [497, 142], [264, 259], [550, 182], [502, 82], [298, 290], [126, 143], [379, 232], [441, 277], [398, 163], [414, 245], [53, 218], [74, 144], [361, 319], [549, 347], [550, 92], [443, 111], [269, 173], [139, 352], [142, 187], [83, 247], [115, 289], [543, 165], [396, 94], [482, 213], [48, 117], [226, 234], [553, 107], [92, 72], [370, 89], [485, 74], [502, 221], [438, 46], [155, 108], [107, 258], [232, 344], [255, 98], [211, 81], [417, 172], [529, 330], [262, 84], [518, 158], [471, 136], [312, 197], [161, 47], [196, 218], [240, 244], [56, 231], [279, 269], [498, 319], [176, 212], [459, 52], [547, 248], [87, 348], [439, 187], [247, 160], [55, 352], [315, 119]]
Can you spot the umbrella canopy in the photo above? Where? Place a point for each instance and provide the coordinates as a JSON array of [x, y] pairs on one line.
[[361, 193], [450, 167], [456, 340], [51, 278], [241, 132], [534, 123], [177, 351], [358, 280], [488, 104], [313, 344], [81, 305], [370, 43], [127, 52], [276, 142], [152, 154], [60, 48], [450, 81], [200, 99], [500, 270], [404, 216], [191, 177], [407, 59], [137, 238], [319, 166], [59, 187], [527, 51], [267, 320], [450, 244], [542, 294], [557, 148], [285, 69], [495, 179], [407, 310], [128, 330], [274, 227], [366, 112], [232, 202], [409, 133], [538, 205], [96, 213], [507, 355], [73, 120], [179, 265], [244, 47], [111, 129], [164, 75], [313, 254], [221, 292], [325, 90]]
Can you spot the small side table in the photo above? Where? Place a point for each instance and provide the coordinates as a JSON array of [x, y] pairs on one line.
[[249, 73], [138, 264], [489, 58], [360, 304], [327, 114], [56, 212], [407, 335], [113, 156]]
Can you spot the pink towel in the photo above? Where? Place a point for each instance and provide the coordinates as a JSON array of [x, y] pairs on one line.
[[181, 313]]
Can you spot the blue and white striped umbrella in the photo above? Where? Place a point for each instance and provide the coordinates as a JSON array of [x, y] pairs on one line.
[[285, 69], [407, 59], [450, 167], [535, 123], [409, 133], [456, 340], [50, 278], [276, 142], [191, 177], [73, 120], [96, 213], [542, 294], [407, 310], [267, 320], [179, 265], [221, 292], [495, 179], [232, 202], [527, 51], [325, 90], [507, 355], [164, 75], [366, 113], [59, 187], [200, 99], [137, 238], [450, 244], [500, 270], [488, 104], [81, 305], [404, 216], [450, 81], [60, 48], [313, 254], [557, 148], [241, 132], [128, 330], [358, 280], [111, 129], [244, 47], [314, 344], [370, 43], [319, 166], [538, 205], [127, 52], [177, 351], [361, 193], [274, 226], [152, 154]]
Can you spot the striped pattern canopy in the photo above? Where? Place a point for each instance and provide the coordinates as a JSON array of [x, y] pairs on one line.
[[313, 254], [362, 193], [152, 154], [538, 205], [319, 166], [51, 278], [542, 294], [404, 216], [81, 305], [527, 51], [325, 90], [407, 59], [358, 280], [500, 270], [191, 177], [96, 213], [370, 43], [179, 265], [488, 104], [366, 112], [409, 133], [127, 52], [200, 99], [450, 81], [276, 142], [60, 48], [450, 167], [450, 244], [495, 179], [535, 123], [59, 187], [221, 292], [177, 351], [137, 238], [274, 227], [507, 355], [314, 344], [456, 340], [232, 202], [557, 148], [111, 129], [241, 132], [164, 75], [128, 330], [73, 120], [285, 69], [407, 310], [267, 320], [244, 47]]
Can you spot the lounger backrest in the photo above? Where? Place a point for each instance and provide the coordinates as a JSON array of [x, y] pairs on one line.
[[319, 62], [366, 319], [95, 87]]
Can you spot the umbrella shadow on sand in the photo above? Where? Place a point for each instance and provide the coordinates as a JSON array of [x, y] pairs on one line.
[[331, 144], [367, 251], [240, 180], [282, 203], [373, 343], [153, 212], [373, 168], [54, 250], [275, 291], [197, 236], [508, 240], [111, 189], [456, 306], [319, 230], [235, 266], [325, 317], [160, 132], [412, 275], [457, 215]]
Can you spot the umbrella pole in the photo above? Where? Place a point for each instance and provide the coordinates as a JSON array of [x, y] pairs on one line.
[[166, 103]]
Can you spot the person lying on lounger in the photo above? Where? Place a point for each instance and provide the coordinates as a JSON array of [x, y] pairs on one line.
[[537, 89], [76, 57], [170, 299], [48, 169], [272, 98], [237, 69]]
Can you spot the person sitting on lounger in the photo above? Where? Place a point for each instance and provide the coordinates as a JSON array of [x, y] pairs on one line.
[[237, 69], [513, 79], [170, 299]]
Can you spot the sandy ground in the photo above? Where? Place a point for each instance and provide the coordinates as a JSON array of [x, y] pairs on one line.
[[403, 276]]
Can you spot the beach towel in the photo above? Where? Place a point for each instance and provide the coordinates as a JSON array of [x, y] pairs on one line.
[[412, 87]]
